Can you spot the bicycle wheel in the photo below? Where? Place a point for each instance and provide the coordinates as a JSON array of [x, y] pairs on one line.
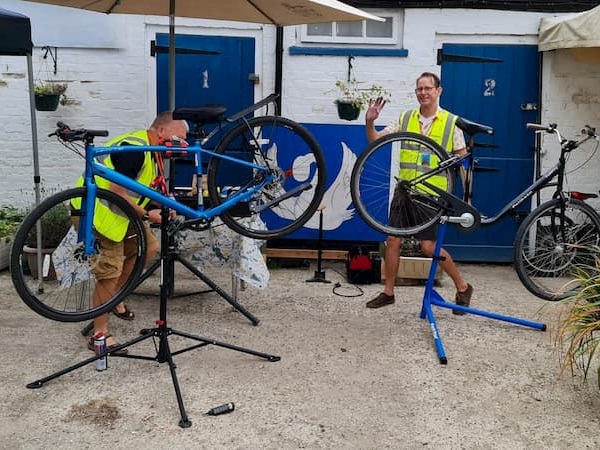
[[287, 193], [552, 248], [67, 286], [381, 183]]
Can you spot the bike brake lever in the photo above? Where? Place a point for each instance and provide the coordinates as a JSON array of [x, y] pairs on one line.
[[589, 131]]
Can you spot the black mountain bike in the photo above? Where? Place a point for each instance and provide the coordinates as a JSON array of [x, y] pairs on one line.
[[554, 243]]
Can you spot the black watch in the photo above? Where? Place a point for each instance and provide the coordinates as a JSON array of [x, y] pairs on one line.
[[146, 216]]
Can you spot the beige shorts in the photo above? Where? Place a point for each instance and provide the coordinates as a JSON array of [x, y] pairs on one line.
[[113, 254]]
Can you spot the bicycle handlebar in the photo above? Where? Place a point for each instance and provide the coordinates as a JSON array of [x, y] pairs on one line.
[[539, 127], [567, 145], [67, 134]]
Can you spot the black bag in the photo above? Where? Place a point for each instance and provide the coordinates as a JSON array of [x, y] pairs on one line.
[[359, 266]]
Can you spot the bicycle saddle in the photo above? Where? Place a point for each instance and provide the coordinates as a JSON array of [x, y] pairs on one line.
[[201, 114], [472, 127]]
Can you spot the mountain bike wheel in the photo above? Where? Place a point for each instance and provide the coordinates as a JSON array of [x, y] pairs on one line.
[[292, 159], [66, 288], [553, 248], [379, 184]]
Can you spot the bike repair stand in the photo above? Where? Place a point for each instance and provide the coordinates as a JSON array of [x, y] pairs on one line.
[[160, 332], [172, 249], [432, 297], [319, 273], [173, 253]]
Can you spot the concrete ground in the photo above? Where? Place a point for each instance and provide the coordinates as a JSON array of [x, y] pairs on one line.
[[349, 377]]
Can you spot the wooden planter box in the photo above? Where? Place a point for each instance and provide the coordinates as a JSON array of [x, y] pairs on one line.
[[412, 270]]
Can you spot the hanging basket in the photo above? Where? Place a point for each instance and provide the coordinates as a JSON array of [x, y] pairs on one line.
[[347, 110], [46, 102]]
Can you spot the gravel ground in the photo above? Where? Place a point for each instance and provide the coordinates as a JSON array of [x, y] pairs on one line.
[[349, 377]]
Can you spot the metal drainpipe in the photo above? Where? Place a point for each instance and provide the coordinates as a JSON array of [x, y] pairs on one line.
[[538, 137], [278, 67]]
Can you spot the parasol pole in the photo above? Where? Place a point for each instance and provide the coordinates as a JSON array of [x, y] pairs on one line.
[[171, 55]]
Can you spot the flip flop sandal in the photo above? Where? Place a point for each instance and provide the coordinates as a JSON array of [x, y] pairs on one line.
[[90, 346], [125, 315]]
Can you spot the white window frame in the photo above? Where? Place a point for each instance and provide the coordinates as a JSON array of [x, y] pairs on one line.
[[397, 30]]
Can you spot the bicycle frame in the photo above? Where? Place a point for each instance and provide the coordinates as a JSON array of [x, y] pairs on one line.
[[94, 168], [544, 180]]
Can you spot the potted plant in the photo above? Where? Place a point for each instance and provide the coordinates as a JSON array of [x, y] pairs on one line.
[[353, 99], [578, 331], [10, 219], [47, 95], [54, 225]]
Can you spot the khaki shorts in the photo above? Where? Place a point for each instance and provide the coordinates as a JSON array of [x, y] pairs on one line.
[[113, 254]]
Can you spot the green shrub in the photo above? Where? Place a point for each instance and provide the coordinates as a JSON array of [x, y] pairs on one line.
[[578, 333], [55, 224], [10, 219]]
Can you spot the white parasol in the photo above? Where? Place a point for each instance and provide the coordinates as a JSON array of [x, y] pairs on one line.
[[276, 12]]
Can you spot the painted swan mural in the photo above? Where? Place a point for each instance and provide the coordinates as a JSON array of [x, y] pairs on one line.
[[337, 199]]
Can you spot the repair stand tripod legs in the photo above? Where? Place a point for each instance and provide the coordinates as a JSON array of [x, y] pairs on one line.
[[432, 297], [319, 273], [176, 257], [172, 249], [160, 332]]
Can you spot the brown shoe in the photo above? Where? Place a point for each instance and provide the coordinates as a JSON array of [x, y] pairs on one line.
[[463, 299], [381, 300]]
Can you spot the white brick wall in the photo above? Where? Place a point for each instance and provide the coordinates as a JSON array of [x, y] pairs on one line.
[[571, 98], [309, 80], [109, 89], [113, 88]]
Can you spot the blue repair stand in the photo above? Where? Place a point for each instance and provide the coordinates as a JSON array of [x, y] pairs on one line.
[[432, 297]]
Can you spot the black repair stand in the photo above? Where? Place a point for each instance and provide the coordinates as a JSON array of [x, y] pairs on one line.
[[160, 332], [172, 256], [432, 297]]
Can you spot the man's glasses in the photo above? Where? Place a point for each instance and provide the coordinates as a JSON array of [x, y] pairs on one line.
[[425, 89]]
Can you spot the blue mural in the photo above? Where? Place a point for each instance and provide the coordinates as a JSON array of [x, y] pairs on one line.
[[341, 145]]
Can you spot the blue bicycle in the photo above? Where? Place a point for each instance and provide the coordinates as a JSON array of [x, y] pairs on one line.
[[265, 179]]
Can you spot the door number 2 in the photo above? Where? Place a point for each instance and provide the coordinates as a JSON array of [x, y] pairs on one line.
[[490, 85]]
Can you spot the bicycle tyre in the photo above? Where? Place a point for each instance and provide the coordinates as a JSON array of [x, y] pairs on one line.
[[374, 180], [65, 291], [549, 258], [295, 159]]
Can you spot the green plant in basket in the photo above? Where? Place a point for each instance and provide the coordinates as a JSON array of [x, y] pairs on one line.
[[352, 98], [55, 224], [351, 92], [10, 219], [49, 88], [578, 333]]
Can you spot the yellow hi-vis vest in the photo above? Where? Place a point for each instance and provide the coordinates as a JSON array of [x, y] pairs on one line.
[[107, 222], [415, 159]]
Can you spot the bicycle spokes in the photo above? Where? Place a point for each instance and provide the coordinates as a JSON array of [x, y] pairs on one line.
[[554, 246], [287, 182], [59, 278]]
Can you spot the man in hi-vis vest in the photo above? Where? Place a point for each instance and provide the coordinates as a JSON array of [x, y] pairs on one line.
[[117, 256], [432, 121]]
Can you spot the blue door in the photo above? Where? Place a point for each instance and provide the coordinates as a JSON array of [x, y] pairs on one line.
[[497, 85], [208, 70]]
